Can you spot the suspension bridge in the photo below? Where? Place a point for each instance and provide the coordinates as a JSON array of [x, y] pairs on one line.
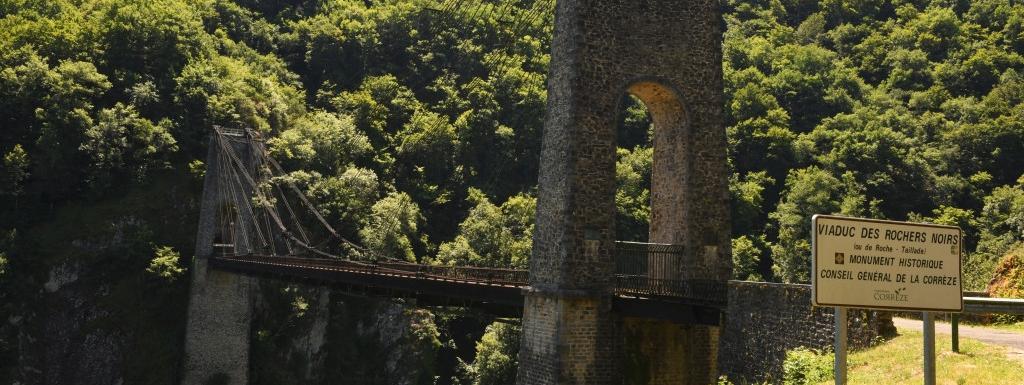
[[261, 232], [594, 311]]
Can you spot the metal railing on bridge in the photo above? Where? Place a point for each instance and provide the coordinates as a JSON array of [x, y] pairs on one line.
[[641, 270], [660, 270], [487, 275]]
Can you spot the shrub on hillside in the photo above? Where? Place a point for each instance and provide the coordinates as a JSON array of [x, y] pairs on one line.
[[1008, 281], [804, 366]]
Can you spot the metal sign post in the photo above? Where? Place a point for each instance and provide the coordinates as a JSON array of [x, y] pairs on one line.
[[929, 348], [840, 346], [956, 332]]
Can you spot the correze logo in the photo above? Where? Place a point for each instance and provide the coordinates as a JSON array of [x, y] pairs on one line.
[[897, 295]]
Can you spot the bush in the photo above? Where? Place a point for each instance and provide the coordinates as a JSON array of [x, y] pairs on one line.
[[804, 366], [1008, 280], [724, 380], [165, 264], [496, 355]]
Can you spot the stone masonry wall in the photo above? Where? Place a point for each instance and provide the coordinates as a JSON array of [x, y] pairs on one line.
[[217, 333], [570, 339], [764, 320], [658, 352]]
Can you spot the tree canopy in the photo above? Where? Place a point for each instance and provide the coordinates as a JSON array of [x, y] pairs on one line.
[[417, 132]]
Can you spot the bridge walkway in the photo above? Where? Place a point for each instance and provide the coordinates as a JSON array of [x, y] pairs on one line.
[[494, 290]]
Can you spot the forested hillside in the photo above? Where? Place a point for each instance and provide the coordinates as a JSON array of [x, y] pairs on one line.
[[416, 129]]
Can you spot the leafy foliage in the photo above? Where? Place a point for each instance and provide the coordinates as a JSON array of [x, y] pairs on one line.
[[747, 255], [888, 109], [805, 367], [497, 355], [418, 132], [493, 236], [392, 227], [166, 264], [1009, 277], [15, 170], [320, 141], [123, 142]]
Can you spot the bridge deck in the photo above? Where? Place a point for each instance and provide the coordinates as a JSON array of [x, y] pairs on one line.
[[498, 291]]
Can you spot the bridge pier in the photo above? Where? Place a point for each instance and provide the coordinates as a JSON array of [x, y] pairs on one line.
[[668, 54], [569, 338], [659, 352], [217, 333]]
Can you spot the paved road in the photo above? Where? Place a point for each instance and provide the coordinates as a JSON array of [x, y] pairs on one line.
[[1009, 339]]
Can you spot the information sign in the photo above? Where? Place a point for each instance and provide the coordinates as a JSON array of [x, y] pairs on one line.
[[867, 263]]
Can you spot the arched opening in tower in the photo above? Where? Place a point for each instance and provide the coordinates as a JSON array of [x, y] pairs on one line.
[[652, 166], [635, 156], [651, 175]]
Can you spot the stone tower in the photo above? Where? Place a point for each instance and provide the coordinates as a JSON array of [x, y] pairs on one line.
[[220, 303], [668, 54]]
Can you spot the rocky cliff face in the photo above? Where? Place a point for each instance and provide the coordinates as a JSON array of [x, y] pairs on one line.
[[77, 333], [313, 335], [78, 303], [90, 311], [56, 344], [77, 350]]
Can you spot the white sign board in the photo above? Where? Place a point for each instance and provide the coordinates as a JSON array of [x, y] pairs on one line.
[[875, 264]]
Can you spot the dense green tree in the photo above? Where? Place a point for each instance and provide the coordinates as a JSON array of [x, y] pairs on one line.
[[747, 256], [811, 84], [381, 107], [166, 264], [883, 160], [123, 142], [809, 191], [392, 228], [493, 236], [427, 159], [14, 171], [748, 194], [1002, 220], [497, 355], [908, 69], [346, 200], [320, 141], [636, 128], [936, 31], [62, 115], [812, 29], [633, 194]]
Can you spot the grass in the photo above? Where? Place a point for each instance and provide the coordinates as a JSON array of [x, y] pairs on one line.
[[899, 362]]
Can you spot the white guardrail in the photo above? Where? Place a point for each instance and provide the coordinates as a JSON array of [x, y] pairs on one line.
[[982, 305]]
